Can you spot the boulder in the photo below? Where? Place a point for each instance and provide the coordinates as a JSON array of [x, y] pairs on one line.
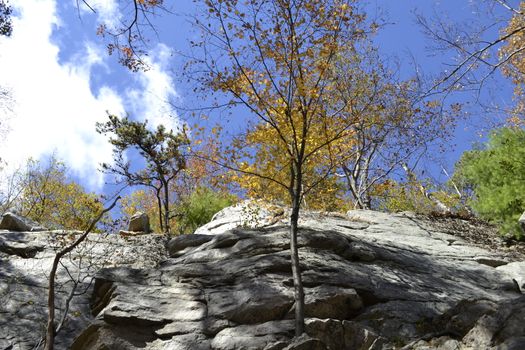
[[325, 301], [516, 271], [13, 222], [247, 214], [502, 325], [252, 336], [139, 222]]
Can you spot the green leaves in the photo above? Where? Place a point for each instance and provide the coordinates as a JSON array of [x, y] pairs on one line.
[[161, 151], [496, 174], [199, 207], [6, 26]]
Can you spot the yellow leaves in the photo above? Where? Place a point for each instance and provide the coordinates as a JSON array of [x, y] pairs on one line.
[[268, 155], [283, 71], [51, 198], [512, 53]]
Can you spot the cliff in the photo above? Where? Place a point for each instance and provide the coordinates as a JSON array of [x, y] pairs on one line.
[[372, 281]]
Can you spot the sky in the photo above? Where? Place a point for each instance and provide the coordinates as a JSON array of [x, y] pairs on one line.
[[62, 80]]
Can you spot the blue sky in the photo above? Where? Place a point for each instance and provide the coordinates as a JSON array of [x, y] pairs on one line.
[[62, 81]]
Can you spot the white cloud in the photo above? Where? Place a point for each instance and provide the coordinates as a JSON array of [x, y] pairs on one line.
[[55, 109], [107, 11], [151, 101], [57, 102]]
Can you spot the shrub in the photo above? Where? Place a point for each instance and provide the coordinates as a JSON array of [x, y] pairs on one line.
[[199, 207]]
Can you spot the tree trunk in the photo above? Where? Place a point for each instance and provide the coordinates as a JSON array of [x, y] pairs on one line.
[[442, 208], [159, 205], [294, 252], [166, 207], [50, 329]]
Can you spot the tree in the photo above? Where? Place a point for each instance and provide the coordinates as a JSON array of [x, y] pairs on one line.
[[491, 41], [51, 327], [160, 149], [421, 196], [198, 208], [266, 157], [6, 26], [274, 58], [47, 195], [6, 29], [190, 211], [200, 190], [511, 54], [143, 200], [496, 176], [10, 187], [393, 123], [128, 40]]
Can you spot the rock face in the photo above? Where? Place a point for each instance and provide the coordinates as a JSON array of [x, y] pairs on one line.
[[516, 271], [25, 261], [372, 281]]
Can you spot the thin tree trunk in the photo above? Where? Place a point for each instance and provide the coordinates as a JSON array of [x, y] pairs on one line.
[[50, 329], [166, 208], [294, 252], [439, 204], [352, 186], [159, 205]]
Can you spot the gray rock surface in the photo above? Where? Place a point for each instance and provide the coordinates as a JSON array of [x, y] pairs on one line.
[[372, 281], [181, 244], [516, 271], [25, 262], [247, 214]]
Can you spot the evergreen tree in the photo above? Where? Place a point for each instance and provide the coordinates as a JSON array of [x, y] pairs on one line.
[[496, 175], [160, 149]]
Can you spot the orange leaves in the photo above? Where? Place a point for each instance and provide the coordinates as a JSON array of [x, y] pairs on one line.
[[101, 30], [126, 51], [128, 36], [513, 55]]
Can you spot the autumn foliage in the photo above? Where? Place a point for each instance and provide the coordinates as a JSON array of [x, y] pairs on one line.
[[512, 57], [45, 192], [275, 58]]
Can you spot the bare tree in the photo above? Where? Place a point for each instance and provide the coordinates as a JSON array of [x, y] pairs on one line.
[[478, 43], [393, 123], [52, 328], [129, 39]]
